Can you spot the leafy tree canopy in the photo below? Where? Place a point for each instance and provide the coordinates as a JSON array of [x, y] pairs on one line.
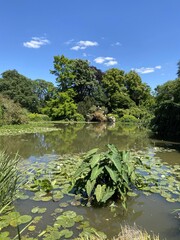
[[20, 89]]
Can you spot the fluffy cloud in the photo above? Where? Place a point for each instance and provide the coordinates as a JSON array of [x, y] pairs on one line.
[[83, 45], [108, 61], [36, 42], [145, 70]]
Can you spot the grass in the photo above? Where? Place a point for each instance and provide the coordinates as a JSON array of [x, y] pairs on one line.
[[8, 178], [127, 233]]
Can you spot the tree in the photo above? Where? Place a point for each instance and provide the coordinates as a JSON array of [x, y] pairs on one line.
[[20, 89], [178, 72], [115, 89], [44, 91], [139, 92], [63, 70], [62, 106]]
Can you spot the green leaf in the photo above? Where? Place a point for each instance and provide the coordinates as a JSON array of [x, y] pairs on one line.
[[89, 187], [95, 159], [99, 192], [91, 152], [108, 194], [83, 168], [96, 172], [112, 174]]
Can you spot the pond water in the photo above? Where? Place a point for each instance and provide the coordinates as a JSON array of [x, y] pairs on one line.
[[152, 212]]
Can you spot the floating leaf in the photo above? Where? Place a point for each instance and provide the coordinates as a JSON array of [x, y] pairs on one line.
[[31, 228], [24, 219]]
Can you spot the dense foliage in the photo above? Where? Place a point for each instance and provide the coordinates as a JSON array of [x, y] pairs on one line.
[[109, 175], [167, 112], [84, 92]]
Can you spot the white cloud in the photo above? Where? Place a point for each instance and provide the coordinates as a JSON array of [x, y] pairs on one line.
[[108, 61], [116, 44], [83, 45], [69, 42], [145, 70], [36, 42]]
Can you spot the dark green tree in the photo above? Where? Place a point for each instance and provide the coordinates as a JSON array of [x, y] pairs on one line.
[[178, 72], [44, 91], [20, 89]]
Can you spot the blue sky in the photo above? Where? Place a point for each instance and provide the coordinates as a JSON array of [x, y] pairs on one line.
[[143, 35]]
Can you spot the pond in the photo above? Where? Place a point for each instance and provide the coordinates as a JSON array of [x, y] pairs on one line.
[[152, 212]]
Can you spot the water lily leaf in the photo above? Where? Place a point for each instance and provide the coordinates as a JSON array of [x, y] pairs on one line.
[[35, 210], [4, 236], [64, 204], [32, 228], [79, 218], [66, 233], [70, 214], [24, 219], [46, 199]]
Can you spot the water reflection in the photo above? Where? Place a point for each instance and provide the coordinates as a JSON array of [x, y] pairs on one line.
[[74, 138], [151, 213]]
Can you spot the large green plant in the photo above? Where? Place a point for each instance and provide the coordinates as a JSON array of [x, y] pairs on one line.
[[103, 176]]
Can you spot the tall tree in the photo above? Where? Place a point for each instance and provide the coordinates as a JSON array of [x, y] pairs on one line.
[[44, 91], [178, 72], [20, 89]]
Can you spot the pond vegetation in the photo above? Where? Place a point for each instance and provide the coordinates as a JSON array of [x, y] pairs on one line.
[[47, 187]]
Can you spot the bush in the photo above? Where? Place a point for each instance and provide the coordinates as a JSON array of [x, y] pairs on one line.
[[79, 117], [35, 117], [11, 113], [129, 119]]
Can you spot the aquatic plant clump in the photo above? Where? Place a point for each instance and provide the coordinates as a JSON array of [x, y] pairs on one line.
[[109, 175], [8, 178]]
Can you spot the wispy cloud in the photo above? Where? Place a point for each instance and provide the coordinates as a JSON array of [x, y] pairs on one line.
[[107, 61], [69, 42], [83, 45], [145, 70], [116, 44], [36, 42]]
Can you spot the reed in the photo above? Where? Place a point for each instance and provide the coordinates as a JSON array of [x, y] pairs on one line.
[[8, 178]]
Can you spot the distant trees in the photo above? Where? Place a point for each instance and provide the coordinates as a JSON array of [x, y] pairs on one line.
[[20, 89], [167, 112], [81, 89]]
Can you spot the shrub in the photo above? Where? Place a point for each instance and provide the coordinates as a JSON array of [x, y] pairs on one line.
[[11, 113], [79, 117], [35, 117], [129, 119]]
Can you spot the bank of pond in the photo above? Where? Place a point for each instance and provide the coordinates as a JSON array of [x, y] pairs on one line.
[[89, 182]]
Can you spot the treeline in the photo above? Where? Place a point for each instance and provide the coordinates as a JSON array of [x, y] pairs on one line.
[[85, 93]]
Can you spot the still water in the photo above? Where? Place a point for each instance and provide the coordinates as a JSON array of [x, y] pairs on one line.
[[152, 212]]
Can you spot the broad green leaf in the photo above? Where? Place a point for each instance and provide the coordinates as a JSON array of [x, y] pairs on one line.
[[89, 187], [95, 159], [96, 172], [83, 168], [99, 192], [108, 194], [91, 152], [112, 174]]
